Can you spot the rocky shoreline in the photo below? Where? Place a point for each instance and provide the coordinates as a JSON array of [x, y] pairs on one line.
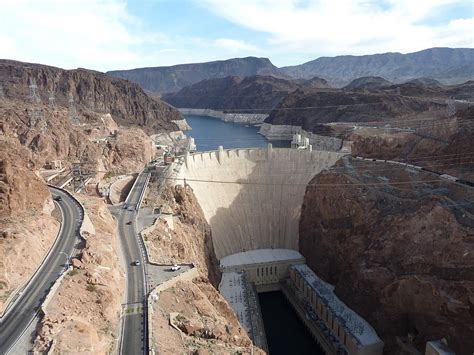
[[247, 118]]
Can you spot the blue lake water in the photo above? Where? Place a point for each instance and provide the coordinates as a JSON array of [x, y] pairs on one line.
[[209, 133]]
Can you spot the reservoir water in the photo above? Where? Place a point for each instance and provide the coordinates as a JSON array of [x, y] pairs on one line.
[[209, 133], [285, 332]]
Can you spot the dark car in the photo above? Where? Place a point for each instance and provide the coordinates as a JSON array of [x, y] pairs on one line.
[[129, 222], [57, 198]]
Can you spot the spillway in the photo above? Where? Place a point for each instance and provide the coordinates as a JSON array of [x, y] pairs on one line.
[[252, 197]]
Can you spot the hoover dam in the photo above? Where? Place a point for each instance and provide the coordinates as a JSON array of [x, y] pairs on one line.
[[252, 197], [252, 200]]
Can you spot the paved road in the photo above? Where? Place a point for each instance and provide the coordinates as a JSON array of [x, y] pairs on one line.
[[25, 307], [134, 336]]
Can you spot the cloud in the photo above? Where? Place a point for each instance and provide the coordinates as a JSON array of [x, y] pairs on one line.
[[233, 45], [98, 34], [347, 27]]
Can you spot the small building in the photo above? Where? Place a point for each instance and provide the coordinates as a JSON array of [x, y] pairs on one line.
[[300, 142]]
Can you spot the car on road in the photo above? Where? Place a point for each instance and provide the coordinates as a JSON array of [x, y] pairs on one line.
[[129, 222], [175, 267], [57, 198], [136, 263]]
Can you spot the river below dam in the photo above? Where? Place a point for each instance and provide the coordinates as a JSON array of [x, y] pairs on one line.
[[209, 133], [285, 332]]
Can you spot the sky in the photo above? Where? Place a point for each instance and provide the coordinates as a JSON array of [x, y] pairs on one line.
[[124, 34]]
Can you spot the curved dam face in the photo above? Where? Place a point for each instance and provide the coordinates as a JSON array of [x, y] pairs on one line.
[[252, 197]]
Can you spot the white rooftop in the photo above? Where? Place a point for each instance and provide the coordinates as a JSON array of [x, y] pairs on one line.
[[232, 288], [260, 256], [351, 321]]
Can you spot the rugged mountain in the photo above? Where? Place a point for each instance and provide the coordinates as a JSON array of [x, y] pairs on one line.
[[367, 82], [448, 65], [173, 78], [88, 91], [257, 93], [397, 245], [310, 109]]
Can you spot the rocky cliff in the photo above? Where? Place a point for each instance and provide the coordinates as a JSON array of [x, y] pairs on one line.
[[86, 91], [443, 145], [173, 78], [397, 245], [449, 65]]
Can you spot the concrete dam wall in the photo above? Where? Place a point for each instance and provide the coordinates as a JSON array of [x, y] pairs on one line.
[[252, 197]]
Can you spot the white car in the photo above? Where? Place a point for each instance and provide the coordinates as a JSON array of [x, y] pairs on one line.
[[175, 267]]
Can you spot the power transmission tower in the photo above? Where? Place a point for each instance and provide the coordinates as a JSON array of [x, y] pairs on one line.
[[35, 98], [72, 109], [51, 99], [450, 107], [398, 90]]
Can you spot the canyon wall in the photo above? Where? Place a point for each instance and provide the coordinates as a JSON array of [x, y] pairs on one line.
[[397, 245]]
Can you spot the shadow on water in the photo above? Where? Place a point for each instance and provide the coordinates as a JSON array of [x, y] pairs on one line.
[[209, 133], [285, 332]]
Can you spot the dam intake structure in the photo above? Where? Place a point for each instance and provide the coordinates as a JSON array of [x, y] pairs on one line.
[[252, 200]]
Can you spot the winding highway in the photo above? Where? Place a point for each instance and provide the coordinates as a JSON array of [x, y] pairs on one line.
[[134, 338], [25, 307]]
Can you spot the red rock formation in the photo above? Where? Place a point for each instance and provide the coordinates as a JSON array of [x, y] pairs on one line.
[[399, 255]]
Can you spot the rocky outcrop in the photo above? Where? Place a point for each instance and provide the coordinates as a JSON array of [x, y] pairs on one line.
[[188, 239], [398, 248], [193, 318], [173, 78], [84, 90]]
